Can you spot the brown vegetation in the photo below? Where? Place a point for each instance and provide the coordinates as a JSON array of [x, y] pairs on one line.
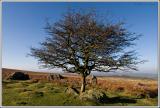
[[139, 87]]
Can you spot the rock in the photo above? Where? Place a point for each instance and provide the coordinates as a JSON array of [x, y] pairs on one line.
[[94, 95], [152, 93], [148, 94], [19, 76], [120, 89], [93, 80], [35, 81], [141, 95], [38, 94], [51, 77], [140, 84], [71, 91]]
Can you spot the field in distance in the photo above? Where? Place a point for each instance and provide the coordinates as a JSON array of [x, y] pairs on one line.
[[40, 91]]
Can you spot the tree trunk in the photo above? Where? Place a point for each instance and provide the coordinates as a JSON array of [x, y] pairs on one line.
[[83, 84]]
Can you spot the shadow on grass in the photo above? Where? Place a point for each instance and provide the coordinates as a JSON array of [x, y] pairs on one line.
[[118, 99], [121, 100]]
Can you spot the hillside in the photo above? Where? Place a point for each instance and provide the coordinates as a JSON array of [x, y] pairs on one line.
[[40, 91]]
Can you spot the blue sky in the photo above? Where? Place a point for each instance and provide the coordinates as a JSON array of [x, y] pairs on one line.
[[23, 25]]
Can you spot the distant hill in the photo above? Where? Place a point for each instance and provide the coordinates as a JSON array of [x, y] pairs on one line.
[[129, 74], [43, 75]]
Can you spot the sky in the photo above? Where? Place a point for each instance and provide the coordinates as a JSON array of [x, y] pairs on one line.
[[23, 26]]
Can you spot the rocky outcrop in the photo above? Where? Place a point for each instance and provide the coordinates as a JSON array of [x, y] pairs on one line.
[[93, 80], [94, 95], [51, 77], [71, 91], [19, 76]]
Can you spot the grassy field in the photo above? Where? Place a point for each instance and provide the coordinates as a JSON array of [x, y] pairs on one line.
[[120, 92]]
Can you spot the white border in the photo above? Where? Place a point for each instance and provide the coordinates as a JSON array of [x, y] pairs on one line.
[[158, 61], [79, 0], [0, 53]]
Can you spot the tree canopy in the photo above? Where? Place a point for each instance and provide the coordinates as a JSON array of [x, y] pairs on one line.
[[80, 43]]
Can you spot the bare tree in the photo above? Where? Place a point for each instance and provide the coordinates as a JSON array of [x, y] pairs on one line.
[[81, 43]]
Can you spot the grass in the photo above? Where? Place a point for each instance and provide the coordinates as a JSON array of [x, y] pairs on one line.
[[27, 93], [36, 94]]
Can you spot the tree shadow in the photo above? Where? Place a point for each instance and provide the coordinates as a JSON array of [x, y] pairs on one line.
[[118, 99]]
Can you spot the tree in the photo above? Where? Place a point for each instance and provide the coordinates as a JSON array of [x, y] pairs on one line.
[[81, 43]]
